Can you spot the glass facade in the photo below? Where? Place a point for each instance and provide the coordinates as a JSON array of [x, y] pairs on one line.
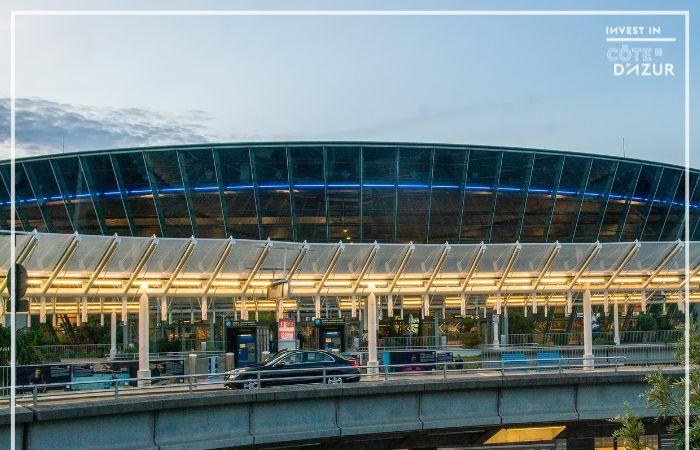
[[354, 192]]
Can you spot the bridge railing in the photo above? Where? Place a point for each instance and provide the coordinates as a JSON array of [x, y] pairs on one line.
[[256, 379]]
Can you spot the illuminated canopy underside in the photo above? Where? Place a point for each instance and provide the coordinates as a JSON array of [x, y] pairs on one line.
[[102, 267]]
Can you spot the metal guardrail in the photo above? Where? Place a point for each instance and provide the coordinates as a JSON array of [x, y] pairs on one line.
[[59, 351], [576, 338], [500, 368]]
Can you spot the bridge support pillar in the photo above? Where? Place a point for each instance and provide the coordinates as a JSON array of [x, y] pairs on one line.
[[144, 371], [372, 333], [587, 331], [113, 335], [616, 322]]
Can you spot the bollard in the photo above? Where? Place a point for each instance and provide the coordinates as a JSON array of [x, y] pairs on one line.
[[230, 361]]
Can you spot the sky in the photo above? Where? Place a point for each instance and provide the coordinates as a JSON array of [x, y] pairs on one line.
[[95, 82]]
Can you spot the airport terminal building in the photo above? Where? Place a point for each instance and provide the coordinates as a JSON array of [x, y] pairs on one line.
[[353, 192]]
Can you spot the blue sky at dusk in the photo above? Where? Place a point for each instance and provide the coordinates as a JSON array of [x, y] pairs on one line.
[[103, 82]]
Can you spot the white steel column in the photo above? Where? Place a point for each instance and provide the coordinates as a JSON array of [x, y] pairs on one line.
[[390, 306], [113, 335], [353, 307], [244, 309], [204, 307], [125, 311], [372, 333], [426, 306], [462, 305], [587, 331], [616, 322], [84, 310], [495, 320], [163, 309], [144, 371], [42, 310], [317, 306]]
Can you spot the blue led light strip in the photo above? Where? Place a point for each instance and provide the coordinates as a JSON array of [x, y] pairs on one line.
[[368, 185]]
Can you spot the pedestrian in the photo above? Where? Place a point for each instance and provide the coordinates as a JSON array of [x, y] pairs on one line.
[[301, 338]]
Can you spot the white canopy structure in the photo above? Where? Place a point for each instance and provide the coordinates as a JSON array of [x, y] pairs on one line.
[[69, 266]]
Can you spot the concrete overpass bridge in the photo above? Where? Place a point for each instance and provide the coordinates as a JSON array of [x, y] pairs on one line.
[[400, 414]]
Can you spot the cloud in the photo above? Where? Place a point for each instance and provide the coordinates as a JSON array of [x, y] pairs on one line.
[[43, 126]]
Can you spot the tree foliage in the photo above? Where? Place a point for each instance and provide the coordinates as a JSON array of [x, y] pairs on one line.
[[667, 395]]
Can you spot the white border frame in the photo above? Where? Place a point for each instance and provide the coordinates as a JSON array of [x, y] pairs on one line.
[[684, 13]]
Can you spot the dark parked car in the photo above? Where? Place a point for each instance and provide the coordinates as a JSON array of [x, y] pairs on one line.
[[295, 367]]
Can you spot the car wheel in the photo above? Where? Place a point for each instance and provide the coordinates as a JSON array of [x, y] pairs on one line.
[[334, 380], [251, 384]]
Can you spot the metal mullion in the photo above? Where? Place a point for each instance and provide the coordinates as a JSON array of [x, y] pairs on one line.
[[509, 266], [611, 183], [430, 196], [492, 214], [256, 194], [523, 210], [362, 195], [632, 251], [61, 191], [184, 179], [25, 225], [291, 194], [102, 263], [122, 193], [628, 204], [220, 184], [154, 193], [465, 173], [325, 193], [584, 184], [691, 230], [39, 200], [650, 204], [365, 267], [473, 267], [396, 195], [555, 190], [93, 197], [679, 177], [438, 266]]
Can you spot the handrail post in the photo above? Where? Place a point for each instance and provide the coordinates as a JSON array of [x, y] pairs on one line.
[[560, 368], [386, 372], [34, 394], [503, 372], [116, 389], [324, 375], [444, 371], [259, 382], [190, 378]]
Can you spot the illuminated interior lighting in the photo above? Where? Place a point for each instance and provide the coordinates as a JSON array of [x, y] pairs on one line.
[[627, 280], [71, 283], [520, 281], [34, 282], [409, 283], [303, 283], [186, 283], [553, 280], [478, 282], [446, 282], [338, 283], [666, 279], [590, 281], [226, 283], [531, 434], [260, 283], [108, 283]]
